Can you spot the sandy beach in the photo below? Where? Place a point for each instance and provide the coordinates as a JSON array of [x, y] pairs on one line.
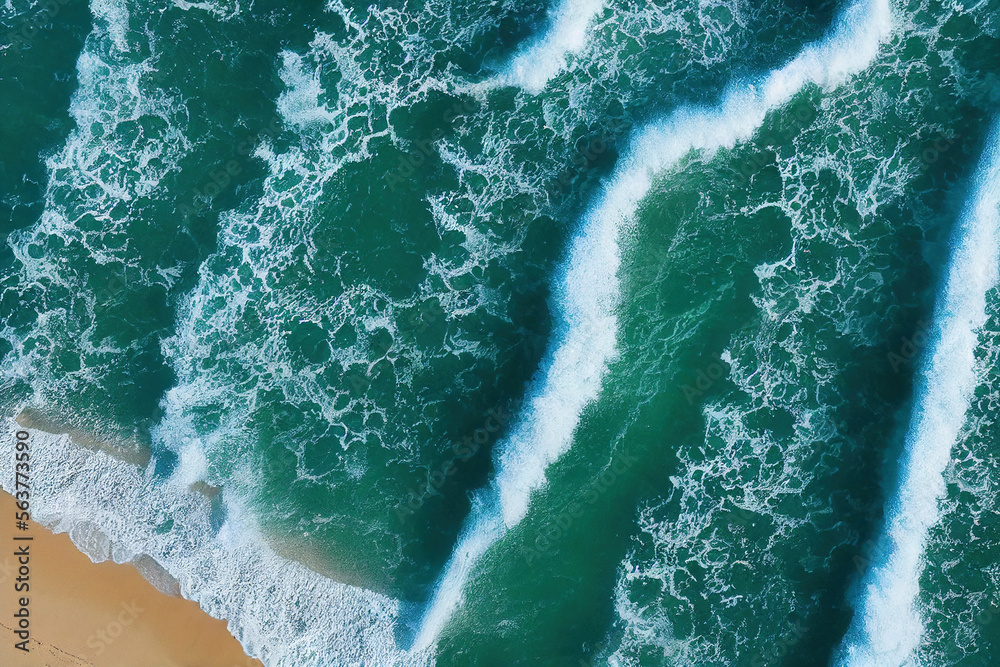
[[103, 614]]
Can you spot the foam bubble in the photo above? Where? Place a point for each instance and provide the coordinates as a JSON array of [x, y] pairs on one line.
[[115, 15], [280, 611], [224, 9], [545, 57], [300, 103], [887, 626], [587, 288], [128, 137]]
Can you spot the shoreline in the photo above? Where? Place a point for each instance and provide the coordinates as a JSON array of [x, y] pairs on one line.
[[130, 450], [86, 613]]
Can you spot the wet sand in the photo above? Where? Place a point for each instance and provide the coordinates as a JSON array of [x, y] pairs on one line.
[[102, 614]]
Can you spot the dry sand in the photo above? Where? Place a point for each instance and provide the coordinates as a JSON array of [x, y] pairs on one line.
[[102, 614]]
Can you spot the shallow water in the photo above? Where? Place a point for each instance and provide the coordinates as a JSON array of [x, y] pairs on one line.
[[598, 333]]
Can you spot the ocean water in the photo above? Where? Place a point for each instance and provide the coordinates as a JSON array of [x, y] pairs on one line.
[[494, 333]]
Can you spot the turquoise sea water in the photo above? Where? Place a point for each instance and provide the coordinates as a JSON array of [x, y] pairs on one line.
[[618, 333]]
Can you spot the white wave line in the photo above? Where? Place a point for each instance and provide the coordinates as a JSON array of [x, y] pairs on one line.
[[887, 626], [587, 288], [545, 56]]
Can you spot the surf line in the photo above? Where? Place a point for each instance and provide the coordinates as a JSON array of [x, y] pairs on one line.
[[545, 56], [887, 626], [586, 287]]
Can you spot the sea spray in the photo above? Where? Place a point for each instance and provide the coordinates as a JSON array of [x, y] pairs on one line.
[[298, 341], [545, 57], [116, 511], [887, 626], [587, 288]]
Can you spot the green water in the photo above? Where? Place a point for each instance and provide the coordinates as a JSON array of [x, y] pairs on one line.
[[311, 254]]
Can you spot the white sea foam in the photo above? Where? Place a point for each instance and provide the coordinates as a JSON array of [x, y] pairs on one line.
[[112, 160], [300, 104], [259, 240], [264, 238], [279, 610], [224, 9], [887, 626], [115, 15], [282, 612], [587, 290], [545, 57]]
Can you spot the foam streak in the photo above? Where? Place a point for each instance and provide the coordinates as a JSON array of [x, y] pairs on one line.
[[545, 57], [587, 287], [280, 611], [887, 626]]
